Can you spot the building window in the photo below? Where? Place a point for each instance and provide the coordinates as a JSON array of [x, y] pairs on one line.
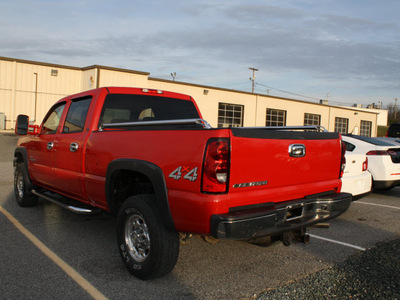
[[312, 119], [275, 117], [365, 128], [341, 125], [230, 115]]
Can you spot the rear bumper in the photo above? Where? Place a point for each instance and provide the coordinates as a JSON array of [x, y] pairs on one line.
[[357, 185], [275, 219], [385, 184]]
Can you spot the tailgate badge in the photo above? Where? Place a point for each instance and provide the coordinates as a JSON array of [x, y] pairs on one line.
[[297, 150], [250, 184]]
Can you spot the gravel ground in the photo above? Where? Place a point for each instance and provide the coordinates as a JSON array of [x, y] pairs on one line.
[[373, 274]]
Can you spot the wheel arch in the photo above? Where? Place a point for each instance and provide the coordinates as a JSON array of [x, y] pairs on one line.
[[147, 171], [21, 157]]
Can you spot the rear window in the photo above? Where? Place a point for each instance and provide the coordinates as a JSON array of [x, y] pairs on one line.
[[371, 140], [119, 108]]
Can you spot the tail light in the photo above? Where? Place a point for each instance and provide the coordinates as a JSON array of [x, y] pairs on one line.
[[378, 152], [216, 166], [152, 91], [365, 164], [342, 159]]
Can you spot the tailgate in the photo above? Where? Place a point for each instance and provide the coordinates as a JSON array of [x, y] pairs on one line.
[[283, 165], [354, 164]]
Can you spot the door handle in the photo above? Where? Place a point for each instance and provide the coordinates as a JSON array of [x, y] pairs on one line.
[[73, 147], [50, 145], [297, 150]]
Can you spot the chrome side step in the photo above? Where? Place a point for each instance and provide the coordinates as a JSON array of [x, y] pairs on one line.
[[60, 201]]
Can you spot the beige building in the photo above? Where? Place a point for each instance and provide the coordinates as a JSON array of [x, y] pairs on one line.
[[31, 88]]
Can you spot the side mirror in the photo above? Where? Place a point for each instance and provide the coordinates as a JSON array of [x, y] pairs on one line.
[[22, 125]]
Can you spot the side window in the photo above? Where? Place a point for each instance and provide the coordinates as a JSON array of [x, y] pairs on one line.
[[349, 147], [50, 123], [76, 117]]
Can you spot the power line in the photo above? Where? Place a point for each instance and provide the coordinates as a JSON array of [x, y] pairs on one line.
[[303, 96], [314, 98]]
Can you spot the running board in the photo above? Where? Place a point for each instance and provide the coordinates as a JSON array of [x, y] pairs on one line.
[[82, 210]]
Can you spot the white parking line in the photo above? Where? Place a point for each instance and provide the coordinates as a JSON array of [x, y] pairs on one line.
[[71, 272], [387, 206], [338, 242]]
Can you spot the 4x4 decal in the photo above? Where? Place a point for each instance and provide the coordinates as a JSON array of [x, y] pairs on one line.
[[178, 172]]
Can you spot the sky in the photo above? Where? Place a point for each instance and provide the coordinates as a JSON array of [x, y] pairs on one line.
[[341, 50]]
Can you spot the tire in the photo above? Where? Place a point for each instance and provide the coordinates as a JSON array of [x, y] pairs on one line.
[[147, 248], [22, 188]]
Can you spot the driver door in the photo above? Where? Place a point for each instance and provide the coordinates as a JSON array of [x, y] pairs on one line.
[[41, 148]]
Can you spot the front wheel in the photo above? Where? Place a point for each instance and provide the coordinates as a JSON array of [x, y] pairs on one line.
[[147, 248], [22, 191]]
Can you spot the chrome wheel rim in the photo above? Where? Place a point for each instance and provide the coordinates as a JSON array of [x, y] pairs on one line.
[[137, 237], [20, 185]]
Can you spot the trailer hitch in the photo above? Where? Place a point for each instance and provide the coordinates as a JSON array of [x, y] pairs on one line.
[[296, 236]]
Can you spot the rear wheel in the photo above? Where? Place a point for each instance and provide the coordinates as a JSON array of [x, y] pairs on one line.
[[147, 248], [22, 190]]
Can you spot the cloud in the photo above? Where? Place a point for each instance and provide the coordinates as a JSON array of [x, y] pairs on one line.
[[214, 43]]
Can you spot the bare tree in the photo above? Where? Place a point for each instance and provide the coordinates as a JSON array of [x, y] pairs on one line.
[[394, 114]]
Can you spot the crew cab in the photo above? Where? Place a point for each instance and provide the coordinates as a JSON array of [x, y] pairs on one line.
[[149, 158]]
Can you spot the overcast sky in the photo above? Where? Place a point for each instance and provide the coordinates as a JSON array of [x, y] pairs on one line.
[[349, 49]]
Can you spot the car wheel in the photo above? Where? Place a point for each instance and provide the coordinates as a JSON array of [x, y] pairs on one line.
[[147, 248], [22, 191]]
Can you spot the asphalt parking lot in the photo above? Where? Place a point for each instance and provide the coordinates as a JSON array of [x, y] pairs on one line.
[[47, 252]]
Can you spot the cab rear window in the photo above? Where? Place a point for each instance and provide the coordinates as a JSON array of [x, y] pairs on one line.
[[119, 108]]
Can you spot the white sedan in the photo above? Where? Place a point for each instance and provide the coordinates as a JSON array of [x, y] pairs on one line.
[[383, 158], [356, 178]]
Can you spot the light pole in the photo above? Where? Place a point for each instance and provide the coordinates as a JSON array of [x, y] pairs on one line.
[[36, 86]]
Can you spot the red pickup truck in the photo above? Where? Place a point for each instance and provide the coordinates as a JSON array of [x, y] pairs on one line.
[[147, 157]]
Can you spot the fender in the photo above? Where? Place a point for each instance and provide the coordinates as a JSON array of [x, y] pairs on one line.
[[156, 177], [22, 151]]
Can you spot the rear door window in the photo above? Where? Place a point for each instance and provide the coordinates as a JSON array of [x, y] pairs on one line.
[[76, 117]]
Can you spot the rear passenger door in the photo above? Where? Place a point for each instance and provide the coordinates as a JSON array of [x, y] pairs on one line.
[[68, 154]]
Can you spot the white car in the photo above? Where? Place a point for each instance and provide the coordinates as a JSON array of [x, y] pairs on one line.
[[356, 179], [383, 158]]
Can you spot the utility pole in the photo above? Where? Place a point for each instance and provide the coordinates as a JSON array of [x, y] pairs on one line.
[[253, 78], [395, 109]]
